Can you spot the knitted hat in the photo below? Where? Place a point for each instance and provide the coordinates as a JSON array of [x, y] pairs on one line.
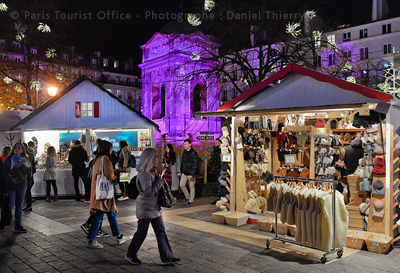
[[398, 131], [103, 145], [319, 124], [379, 167], [364, 207], [379, 209], [378, 188], [397, 146], [369, 148], [379, 146], [373, 129], [365, 185], [252, 206]]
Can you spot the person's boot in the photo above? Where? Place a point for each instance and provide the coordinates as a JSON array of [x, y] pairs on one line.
[[55, 198], [47, 199]]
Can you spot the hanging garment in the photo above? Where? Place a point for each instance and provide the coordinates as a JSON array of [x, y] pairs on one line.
[[309, 211]]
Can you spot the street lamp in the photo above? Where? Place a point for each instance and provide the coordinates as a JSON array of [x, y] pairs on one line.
[[52, 91]]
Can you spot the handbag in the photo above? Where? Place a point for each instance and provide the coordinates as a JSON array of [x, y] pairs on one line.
[[165, 197], [124, 177], [104, 188]]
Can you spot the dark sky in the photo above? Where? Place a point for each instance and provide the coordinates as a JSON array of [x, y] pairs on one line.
[[121, 38]]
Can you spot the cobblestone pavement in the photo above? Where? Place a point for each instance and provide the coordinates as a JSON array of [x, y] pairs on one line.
[[55, 243]]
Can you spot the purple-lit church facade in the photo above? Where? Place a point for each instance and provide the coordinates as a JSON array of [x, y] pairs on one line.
[[170, 91]]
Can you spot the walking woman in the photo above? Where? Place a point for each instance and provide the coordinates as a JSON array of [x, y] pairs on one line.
[[149, 211], [19, 172], [124, 166], [49, 174], [171, 165], [103, 206]]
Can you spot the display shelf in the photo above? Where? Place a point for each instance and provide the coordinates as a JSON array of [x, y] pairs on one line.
[[356, 130]]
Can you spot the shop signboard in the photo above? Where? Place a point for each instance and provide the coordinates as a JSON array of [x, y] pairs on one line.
[[205, 138], [206, 133]]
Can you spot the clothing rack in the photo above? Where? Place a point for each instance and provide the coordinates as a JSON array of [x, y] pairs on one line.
[[284, 239]]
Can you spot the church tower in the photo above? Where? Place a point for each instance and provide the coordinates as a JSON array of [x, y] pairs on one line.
[[173, 87]]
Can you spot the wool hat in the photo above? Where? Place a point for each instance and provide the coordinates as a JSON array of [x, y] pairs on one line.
[[365, 185], [373, 129], [319, 123], [379, 167], [397, 146], [252, 206], [103, 145], [398, 131], [369, 149], [364, 207], [379, 209], [378, 187], [379, 146]]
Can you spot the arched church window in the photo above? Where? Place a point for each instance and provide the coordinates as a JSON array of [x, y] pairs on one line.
[[199, 98], [156, 102], [163, 101]]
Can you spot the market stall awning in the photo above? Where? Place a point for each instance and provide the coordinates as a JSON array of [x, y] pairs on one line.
[[84, 104], [296, 87]]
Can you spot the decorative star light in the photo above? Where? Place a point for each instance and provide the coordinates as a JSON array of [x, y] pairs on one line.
[[317, 35], [351, 79], [194, 19], [391, 84], [347, 66], [195, 56], [209, 5], [310, 14], [36, 85], [3, 7], [7, 80], [19, 36], [43, 27], [18, 89], [51, 53], [292, 29], [60, 76]]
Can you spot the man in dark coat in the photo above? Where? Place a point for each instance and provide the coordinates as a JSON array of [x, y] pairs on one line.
[[352, 154], [77, 157], [30, 151], [215, 167], [188, 171]]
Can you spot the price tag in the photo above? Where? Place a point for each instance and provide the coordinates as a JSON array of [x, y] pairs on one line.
[[375, 243], [295, 228], [383, 237], [354, 240], [361, 234]]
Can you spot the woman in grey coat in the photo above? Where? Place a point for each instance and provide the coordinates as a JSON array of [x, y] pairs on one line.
[[149, 211], [49, 174], [171, 166]]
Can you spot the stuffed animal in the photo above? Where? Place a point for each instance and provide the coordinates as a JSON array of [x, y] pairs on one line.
[[221, 204]]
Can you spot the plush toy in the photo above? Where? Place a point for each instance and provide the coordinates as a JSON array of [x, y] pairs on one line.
[[221, 204]]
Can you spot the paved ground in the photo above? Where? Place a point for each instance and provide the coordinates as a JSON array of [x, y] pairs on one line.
[[55, 243]]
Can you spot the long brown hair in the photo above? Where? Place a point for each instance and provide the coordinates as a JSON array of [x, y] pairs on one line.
[[6, 151], [51, 151], [23, 150]]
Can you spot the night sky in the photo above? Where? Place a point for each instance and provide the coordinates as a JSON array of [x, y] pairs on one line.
[[121, 38]]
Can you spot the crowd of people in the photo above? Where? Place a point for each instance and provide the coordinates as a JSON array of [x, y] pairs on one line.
[[17, 166]]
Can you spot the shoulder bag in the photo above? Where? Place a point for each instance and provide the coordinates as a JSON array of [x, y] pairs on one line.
[[165, 198], [104, 188]]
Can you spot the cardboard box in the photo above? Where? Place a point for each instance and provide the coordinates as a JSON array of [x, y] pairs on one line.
[[236, 218], [282, 228], [265, 224], [378, 243], [292, 230], [219, 217], [356, 239]]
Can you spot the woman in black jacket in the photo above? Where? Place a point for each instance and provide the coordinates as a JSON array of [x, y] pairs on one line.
[[18, 169]]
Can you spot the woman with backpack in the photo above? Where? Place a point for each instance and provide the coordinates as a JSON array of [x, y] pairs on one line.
[[149, 211], [124, 155]]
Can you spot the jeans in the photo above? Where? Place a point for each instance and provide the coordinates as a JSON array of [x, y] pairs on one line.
[[162, 240], [28, 195], [184, 179], [17, 199], [76, 184], [98, 219], [48, 185]]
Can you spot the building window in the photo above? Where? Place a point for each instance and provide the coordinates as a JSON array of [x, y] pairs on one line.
[[387, 48], [319, 62], [331, 39], [386, 28], [331, 59], [80, 58], [347, 54], [16, 45], [198, 100], [105, 62], [129, 95], [65, 56], [119, 95], [118, 80], [163, 101], [126, 66], [363, 33], [116, 64], [128, 81], [34, 50], [93, 62], [346, 36], [363, 53]]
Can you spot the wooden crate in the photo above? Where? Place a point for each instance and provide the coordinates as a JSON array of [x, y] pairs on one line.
[[356, 239], [378, 243], [236, 218], [219, 217], [265, 224]]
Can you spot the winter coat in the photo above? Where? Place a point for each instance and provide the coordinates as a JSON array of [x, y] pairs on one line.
[[51, 166], [77, 157], [32, 160], [189, 162], [147, 206], [24, 172], [215, 161], [352, 154], [174, 173], [106, 205], [3, 179], [124, 155]]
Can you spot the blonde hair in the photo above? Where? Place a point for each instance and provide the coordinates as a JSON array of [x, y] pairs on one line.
[[51, 151]]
